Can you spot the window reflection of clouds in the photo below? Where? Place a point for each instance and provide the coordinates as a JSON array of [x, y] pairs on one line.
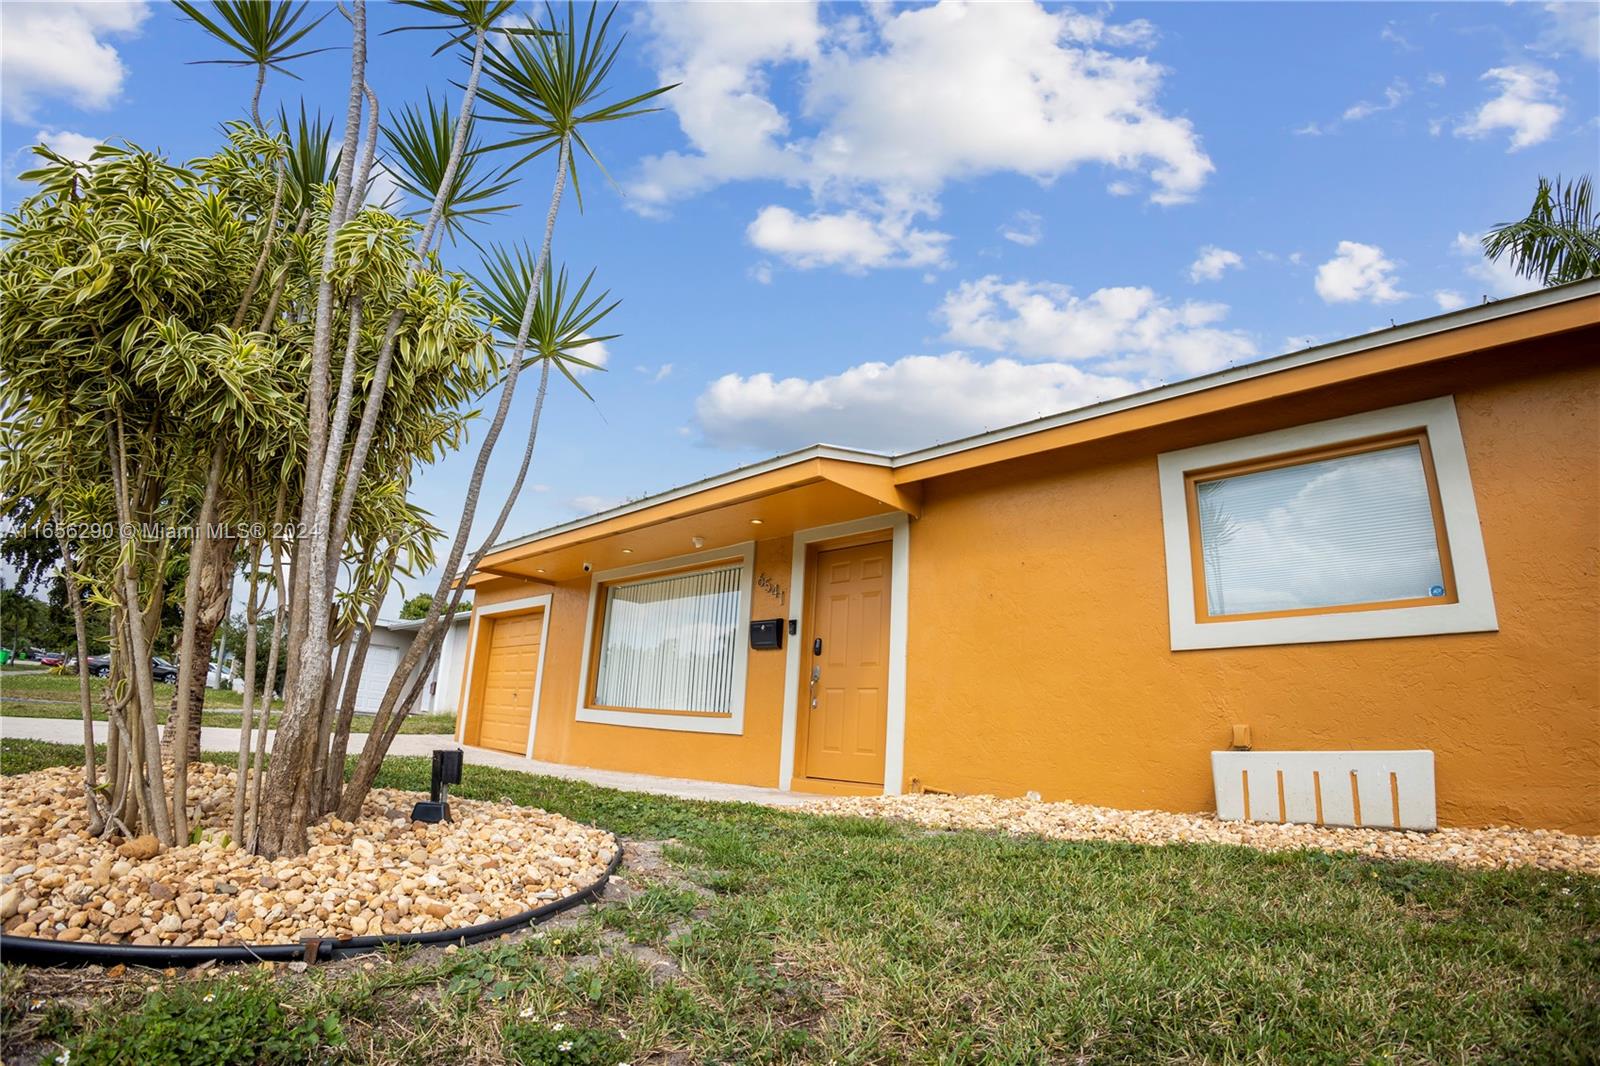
[[1331, 532]]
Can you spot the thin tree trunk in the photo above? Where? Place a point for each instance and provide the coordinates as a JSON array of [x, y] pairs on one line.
[[138, 649], [251, 606], [390, 714], [80, 629], [278, 623], [266, 249], [287, 789], [187, 659], [380, 371]]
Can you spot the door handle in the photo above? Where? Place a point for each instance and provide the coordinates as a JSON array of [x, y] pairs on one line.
[[816, 675]]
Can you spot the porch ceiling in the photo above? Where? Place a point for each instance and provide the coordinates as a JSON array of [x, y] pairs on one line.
[[771, 503]]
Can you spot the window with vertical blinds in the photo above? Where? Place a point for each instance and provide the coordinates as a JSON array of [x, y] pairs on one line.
[[1354, 527], [670, 643]]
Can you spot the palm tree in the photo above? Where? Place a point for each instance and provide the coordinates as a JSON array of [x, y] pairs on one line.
[[1558, 241]]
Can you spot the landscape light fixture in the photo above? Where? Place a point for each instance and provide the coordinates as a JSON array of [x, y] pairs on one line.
[[446, 772]]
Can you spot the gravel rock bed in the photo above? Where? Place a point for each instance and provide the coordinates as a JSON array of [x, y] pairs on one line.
[[1495, 848], [382, 874]]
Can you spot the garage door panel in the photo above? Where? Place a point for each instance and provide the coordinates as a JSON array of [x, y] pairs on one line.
[[509, 677]]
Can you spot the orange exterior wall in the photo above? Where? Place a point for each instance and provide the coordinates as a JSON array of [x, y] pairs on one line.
[[1039, 653], [747, 759]]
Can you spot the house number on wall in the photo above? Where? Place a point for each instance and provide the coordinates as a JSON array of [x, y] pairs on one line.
[[772, 588]]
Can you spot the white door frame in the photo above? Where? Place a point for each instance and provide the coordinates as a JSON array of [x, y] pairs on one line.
[[894, 749], [507, 607]]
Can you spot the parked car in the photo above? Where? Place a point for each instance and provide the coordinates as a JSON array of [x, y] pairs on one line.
[[160, 669], [48, 658]]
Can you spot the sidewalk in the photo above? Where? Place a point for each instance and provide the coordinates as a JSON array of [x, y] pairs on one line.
[[218, 738]]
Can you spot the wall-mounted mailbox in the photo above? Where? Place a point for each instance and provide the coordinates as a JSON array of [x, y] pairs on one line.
[[766, 633]]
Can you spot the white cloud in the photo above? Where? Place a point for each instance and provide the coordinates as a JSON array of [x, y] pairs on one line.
[[660, 373], [1449, 299], [76, 146], [588, 504], [1025, 228], [1496, 276], [1573, 27], [57, 51], [1393, 97], [1121, 188], [1358, 272], [1122, 331], [848, 239], [910, 403], [1392, 34], [895, 104], [761, 273], [1056, 351], [1526, 105], [1213, 262]]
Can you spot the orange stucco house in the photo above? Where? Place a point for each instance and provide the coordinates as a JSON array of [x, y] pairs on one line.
[[1387, 543]]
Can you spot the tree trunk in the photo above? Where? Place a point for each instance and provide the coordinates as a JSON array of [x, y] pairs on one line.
[[216, 587], [285, 805], [391, 710], [85, 700], [251, 607]]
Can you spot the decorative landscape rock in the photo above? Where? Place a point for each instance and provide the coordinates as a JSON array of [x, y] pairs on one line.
[[1496, 848], [376, 876]]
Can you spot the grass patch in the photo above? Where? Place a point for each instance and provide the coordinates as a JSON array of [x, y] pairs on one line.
[[862, 941], [47, 685], [223, 718]]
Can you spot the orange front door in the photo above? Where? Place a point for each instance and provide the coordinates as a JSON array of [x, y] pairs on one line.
[[510, 671], [847, 706]]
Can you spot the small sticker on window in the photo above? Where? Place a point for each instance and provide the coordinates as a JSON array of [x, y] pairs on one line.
[[1436, 590]]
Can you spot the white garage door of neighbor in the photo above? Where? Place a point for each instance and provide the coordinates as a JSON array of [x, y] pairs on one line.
[[375, 678]]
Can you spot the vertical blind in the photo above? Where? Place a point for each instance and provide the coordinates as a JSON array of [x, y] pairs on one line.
[[669, 643], [1352, 529]]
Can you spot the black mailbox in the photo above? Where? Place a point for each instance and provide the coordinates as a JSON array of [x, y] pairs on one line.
[[766, 633]]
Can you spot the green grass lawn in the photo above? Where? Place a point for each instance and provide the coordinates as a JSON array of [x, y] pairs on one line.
[[47, 685], [41, 695], [803, 938]]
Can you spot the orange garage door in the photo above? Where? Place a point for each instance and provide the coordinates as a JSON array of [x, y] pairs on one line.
[[509, 673]]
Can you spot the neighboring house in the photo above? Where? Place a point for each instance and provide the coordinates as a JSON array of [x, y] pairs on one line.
[[1389, 542], [390, 641]]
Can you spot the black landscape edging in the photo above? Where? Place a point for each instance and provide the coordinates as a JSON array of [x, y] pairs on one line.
[[35, 951]]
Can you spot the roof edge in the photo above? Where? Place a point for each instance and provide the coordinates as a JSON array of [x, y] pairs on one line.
[[1453, 320]]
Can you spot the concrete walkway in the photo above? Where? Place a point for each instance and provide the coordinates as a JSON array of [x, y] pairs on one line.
[[218, 738]]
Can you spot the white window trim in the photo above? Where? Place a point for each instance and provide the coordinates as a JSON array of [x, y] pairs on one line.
[[732, 723], [894, 748], [1472, 613], [527, 603]]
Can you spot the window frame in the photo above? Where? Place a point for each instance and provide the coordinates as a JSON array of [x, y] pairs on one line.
[[730, 722], [1468, 603]]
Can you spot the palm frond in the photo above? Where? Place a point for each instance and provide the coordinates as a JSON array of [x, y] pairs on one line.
[[1559, 239], [547, 88], [565, 318], [420, 145], [263, 32]]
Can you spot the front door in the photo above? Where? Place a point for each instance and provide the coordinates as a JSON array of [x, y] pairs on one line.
[[846, 707], [509, 675]]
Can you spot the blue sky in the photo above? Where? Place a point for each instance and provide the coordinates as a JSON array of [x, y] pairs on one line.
[[886, 226]]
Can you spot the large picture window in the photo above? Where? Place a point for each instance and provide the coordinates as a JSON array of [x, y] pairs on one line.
[[671, 643], [1357, 527]]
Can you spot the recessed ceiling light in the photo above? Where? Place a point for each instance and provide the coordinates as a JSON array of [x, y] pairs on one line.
[[627, 551], [540, 570], [755, 521]]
